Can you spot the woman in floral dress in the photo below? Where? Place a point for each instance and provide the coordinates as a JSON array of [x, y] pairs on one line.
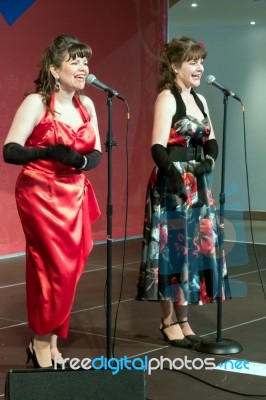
[[180, 253]]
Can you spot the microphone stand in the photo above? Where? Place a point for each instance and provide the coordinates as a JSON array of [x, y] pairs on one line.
[[220, 346], [109, 143]]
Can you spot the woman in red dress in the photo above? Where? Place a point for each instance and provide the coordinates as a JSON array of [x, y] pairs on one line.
[[55, 136]]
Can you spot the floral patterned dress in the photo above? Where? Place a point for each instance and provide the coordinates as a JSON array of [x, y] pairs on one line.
[[180, 248]]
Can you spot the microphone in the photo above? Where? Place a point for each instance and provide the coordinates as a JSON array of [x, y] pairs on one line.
[[92, 80], [210, 79]]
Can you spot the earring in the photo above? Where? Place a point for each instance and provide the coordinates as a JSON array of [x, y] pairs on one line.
[[57, 84]]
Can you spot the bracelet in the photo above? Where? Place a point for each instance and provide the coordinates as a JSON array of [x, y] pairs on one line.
[[85, 163]]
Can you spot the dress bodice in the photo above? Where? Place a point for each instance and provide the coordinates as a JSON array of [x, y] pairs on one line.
[[187, 131], [51, 131]]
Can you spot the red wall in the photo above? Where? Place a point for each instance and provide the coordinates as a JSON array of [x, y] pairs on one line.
[[126, 37]]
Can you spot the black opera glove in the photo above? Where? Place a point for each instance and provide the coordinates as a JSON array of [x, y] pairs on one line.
[[67, 156], [91, 160], [14, 153], [175, 180], [204, 166], [210, 150]]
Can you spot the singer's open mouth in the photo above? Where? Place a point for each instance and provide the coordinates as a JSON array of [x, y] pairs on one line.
[[80, 77]]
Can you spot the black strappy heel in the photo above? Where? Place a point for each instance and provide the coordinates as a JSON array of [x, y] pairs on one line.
[[183, 343], [191, 338]]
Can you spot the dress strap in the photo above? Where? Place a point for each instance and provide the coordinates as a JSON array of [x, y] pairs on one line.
[[198, 102], [82, 109], [180, 106]]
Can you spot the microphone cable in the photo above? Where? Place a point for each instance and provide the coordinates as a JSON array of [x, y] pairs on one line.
[[249, 205], [253, 395], [125, 229], [124, 239]]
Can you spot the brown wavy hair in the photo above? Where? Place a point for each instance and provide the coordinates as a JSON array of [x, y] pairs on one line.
[[55, 55], [175, 52]]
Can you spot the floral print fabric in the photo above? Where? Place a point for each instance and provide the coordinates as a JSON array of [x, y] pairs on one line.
[[180, 248]]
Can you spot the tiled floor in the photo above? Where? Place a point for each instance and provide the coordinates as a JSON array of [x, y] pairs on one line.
[[137, 334]]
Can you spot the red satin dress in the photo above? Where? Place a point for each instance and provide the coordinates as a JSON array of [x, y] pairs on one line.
[[56, 205]]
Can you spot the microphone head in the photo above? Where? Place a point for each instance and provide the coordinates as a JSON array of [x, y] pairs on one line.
[[90, 78], [210, 79]]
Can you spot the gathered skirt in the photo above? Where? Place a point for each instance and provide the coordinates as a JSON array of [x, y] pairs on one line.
[[182, 258]]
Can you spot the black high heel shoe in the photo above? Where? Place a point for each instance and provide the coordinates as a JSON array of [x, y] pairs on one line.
[[183, 343], [192, 338], [31, 356]]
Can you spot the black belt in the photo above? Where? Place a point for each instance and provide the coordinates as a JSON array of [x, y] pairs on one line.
[[178, 153]]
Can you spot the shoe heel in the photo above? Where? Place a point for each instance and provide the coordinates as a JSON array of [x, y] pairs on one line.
[[28, 352], [165, 337], [183, 343], [31, 356]]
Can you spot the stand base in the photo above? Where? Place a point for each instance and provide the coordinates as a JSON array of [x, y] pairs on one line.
[[222, 346]]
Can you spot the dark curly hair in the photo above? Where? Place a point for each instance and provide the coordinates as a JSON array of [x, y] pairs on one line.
[[175, 52], [54, 55]]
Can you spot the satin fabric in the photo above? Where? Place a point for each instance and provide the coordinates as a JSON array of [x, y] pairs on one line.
[[56, 205]]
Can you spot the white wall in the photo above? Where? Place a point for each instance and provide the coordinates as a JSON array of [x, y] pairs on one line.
[[237, 58]]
